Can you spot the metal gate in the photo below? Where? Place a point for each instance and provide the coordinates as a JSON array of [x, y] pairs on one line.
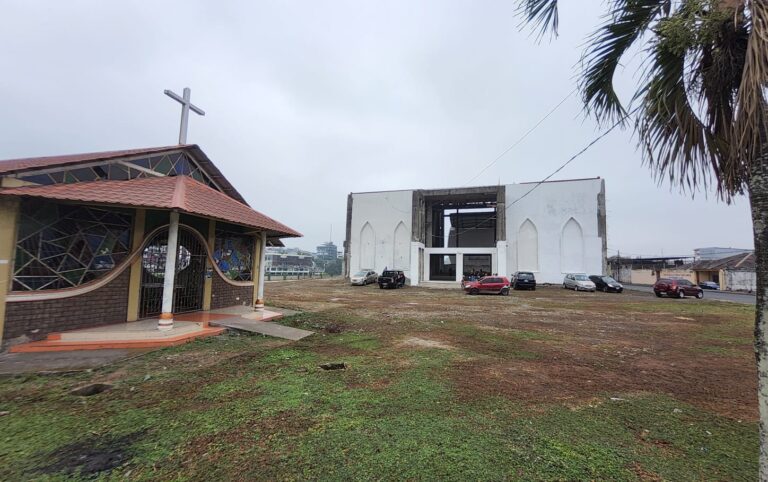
[[190, 274]]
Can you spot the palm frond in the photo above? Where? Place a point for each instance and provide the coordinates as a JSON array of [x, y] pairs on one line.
[[542, 15], [676, 144], [751, 119], [624, 26]]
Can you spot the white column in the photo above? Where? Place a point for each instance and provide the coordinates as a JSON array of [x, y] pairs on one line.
[[262, 263], [169, 280], [459, 266], [501, 258]]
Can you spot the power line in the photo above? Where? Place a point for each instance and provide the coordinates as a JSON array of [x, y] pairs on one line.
[[562, 166], [523, 137]]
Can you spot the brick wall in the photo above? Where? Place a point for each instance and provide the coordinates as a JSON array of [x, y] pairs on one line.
[[35, 319], [225, 294]]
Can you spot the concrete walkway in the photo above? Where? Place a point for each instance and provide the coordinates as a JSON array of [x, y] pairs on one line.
[[263, 327]]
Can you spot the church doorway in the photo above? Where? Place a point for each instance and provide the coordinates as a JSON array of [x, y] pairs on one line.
[[190, 274]]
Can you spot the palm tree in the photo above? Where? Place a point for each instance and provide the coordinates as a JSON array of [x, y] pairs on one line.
[[699, 108]]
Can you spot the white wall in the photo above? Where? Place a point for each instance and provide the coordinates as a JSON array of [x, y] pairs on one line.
[[550, 207], [741, 280], [381, 231]]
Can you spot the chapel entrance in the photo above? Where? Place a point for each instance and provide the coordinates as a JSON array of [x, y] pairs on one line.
[[190, 274]]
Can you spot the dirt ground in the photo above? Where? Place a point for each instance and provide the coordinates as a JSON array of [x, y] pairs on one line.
[[570, 347]]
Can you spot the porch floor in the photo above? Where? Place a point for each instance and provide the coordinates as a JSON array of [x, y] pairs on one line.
[[144, 333]]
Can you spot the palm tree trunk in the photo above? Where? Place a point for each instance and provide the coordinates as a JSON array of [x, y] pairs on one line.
[[758, 199]]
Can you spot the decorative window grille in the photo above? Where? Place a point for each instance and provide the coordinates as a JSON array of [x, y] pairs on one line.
[[61, 246], [175, 164], [233, 254]]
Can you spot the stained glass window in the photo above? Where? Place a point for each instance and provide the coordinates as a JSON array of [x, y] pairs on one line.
[[61, 246], [233, 253], [174, 164]]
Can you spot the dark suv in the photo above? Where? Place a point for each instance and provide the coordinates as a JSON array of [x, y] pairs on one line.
[[523, 280], [392, 279], [606, 284], [679, 288]]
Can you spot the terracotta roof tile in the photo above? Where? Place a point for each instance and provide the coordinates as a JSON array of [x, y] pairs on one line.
[[178, 192]]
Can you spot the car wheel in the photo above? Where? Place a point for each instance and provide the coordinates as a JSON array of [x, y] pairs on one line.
[[474, 291], [381, 287], [681, 294], [505, 291], [564, 287], [658, 295], [605, 289], [700, 295], [533, 289]]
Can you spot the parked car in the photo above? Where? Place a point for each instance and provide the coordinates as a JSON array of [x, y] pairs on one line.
[[391, 279], [578, 282], [489, 285], [606, 284], [523, 280], [363, 277], [709, 285], [679, 288]]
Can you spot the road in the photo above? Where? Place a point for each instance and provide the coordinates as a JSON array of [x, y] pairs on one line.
[[708, 294]]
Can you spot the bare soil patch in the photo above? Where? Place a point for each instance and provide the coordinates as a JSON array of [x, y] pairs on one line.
[[556, 345]]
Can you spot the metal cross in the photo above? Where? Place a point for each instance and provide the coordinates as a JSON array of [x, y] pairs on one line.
[[186, 105]]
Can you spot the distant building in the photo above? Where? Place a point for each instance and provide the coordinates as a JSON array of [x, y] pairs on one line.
[[289, 261], [647, 270], [327, 251], [703, 254], [733, 273]]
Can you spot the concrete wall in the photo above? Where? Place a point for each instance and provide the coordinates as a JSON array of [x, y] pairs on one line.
[[563, 221], [740, 280], [380, 231]]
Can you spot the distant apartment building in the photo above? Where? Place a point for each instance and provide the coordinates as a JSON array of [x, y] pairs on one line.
[[327, 251]]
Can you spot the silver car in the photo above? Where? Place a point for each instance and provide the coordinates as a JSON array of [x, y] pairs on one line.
[[363, 277], [578, 282]]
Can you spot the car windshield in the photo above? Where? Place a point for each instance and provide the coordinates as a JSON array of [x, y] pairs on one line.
[[580, 277], [361, 273], [389, 273], [525, 275], [608, 279]]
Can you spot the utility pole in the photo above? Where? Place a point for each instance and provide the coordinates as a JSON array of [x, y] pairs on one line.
[[186, 106]]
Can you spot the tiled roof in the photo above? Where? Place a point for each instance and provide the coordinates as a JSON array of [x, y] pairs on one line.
[[13, 166], [737, 262], [177, 192]]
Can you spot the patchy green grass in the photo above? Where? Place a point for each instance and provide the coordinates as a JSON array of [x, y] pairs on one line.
[[252, 408]]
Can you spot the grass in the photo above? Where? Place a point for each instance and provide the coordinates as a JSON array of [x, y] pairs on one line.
[[247, 407]]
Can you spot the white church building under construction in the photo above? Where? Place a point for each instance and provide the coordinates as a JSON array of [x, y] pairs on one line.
[[440, 235]]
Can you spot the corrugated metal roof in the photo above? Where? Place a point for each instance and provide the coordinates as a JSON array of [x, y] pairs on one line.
[[737, 262]]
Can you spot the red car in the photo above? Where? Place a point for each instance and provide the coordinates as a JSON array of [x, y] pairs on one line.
[[489, 284], [679, 288]]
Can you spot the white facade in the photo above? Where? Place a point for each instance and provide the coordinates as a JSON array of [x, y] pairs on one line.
[[557, 228], [380, 231]]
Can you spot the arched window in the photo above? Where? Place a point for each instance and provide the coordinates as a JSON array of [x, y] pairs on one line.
[[528, 247], [402, 247], [572, 247], [367, 247]]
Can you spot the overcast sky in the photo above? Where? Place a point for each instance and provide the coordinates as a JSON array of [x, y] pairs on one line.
[[308, 101]]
